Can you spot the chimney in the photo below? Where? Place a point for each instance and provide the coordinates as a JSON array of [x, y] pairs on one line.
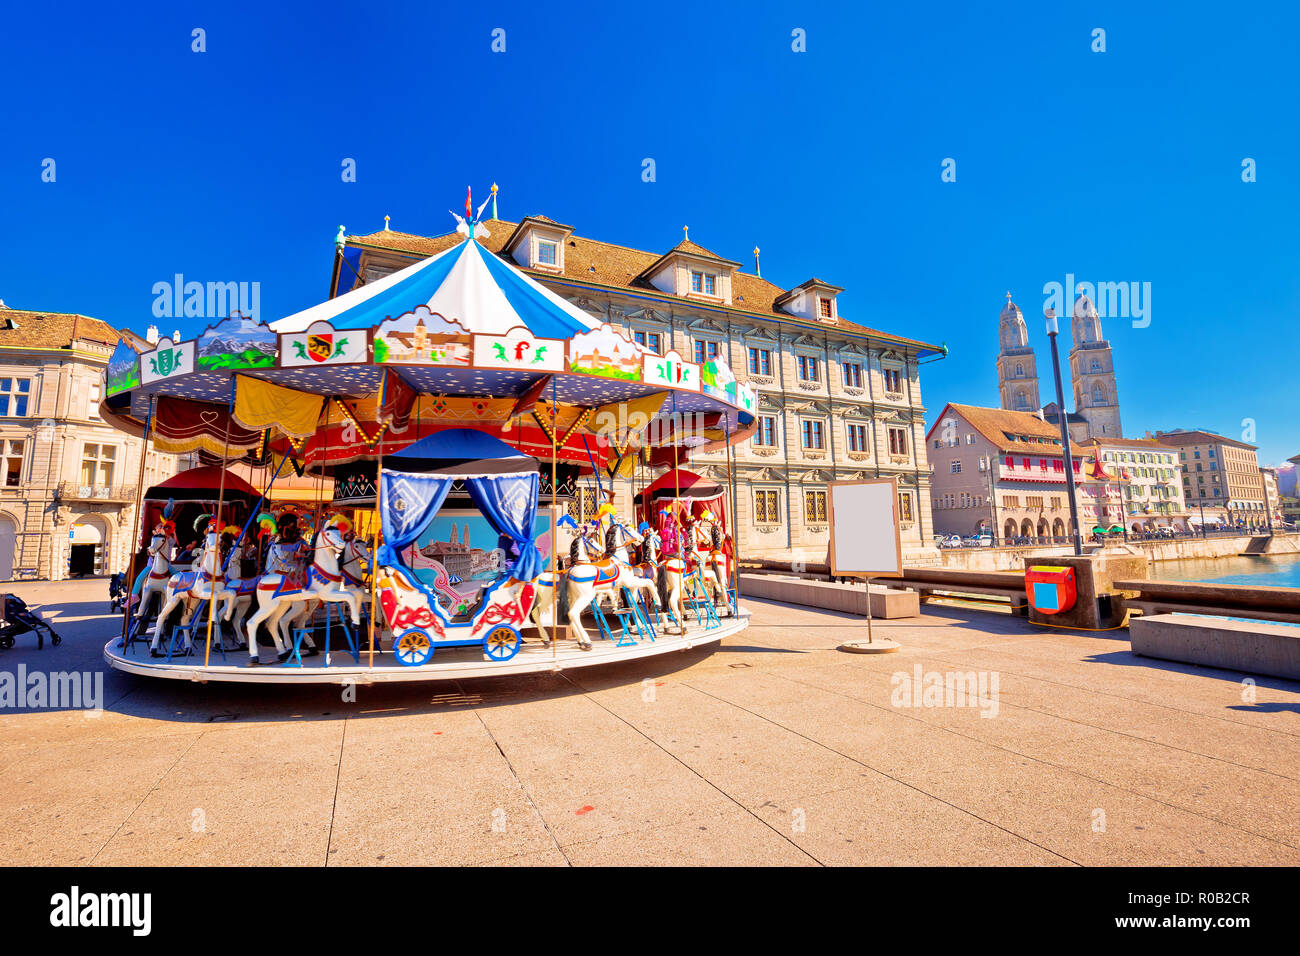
[[151, 336]]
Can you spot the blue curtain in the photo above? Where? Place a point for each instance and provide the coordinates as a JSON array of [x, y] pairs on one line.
[[509, 502], [409, 504]]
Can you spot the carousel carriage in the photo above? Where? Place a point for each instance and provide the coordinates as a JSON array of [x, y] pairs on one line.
[[456, 388]]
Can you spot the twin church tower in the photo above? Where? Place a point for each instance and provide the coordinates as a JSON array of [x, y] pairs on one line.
[[1092, 370]]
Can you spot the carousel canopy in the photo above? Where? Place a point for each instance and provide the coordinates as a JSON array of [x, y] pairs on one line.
[[680, 483], [460, 453], [201, 484], [463, 284]]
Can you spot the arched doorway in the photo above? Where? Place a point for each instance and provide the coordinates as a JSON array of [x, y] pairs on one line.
[[8, 547], [1027, 528], [1042, 530], [1058, 528], [87, 546], [1009, 530]]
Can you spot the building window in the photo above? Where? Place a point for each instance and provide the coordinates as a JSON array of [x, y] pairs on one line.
[[905, 506], [809, 369], [812, 434], [893, 380], [13, 463], [766, 434], [546, 252], [814, 507], [97, 463], [767, 506], [852, 374], [14, 393], [92, 410], [584, 504], [704, 282], [705, 351], [760, 361], [654, 341], [956, 467], [857, 438], [824, 307], [897, 440], [1020, 370]]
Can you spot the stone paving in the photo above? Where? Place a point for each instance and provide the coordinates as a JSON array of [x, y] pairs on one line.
[[774, 749]]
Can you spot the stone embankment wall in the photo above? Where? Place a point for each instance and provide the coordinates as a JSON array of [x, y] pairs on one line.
[[1013, 559]]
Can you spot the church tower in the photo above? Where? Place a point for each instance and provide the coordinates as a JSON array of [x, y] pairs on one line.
[[1017, 372], [1092, 369]]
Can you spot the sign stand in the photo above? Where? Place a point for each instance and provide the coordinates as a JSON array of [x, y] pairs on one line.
[[870, 505]]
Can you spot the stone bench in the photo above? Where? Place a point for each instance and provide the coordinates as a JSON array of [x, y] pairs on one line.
[[886, 603], [1256, 647]]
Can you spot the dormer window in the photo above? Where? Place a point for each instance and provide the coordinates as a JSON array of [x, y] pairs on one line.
[[704, 282], [813, 300], [824, 307], [538, 243]]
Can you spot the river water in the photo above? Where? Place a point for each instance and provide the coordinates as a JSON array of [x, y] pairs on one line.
[[1274, 571]]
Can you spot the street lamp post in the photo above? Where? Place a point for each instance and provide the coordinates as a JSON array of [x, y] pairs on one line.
[[1052, 331], [993, 501]]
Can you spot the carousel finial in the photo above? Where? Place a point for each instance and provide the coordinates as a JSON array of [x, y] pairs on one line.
[[494, 202], [338, 240]]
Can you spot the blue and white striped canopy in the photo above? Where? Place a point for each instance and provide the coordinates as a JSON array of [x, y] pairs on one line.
[[465, 284]]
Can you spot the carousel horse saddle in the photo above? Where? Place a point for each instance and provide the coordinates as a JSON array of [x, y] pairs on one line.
[[185, 580], [606, 571]]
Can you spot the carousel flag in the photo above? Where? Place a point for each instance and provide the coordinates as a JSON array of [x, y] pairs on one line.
[[260, 404], [181, 426], [527, 400]]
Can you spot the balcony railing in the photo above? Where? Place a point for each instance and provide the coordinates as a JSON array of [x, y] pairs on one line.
[[75, 491]]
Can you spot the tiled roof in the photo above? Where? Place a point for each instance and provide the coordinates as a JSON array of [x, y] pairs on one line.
[[996, 424], [1179, 439], [618, 268], [23, 328], [1142, 444]]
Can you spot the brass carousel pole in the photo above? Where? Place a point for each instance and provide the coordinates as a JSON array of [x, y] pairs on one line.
[[137, 524], [555, 583], [374, 557], [732, 527], [216, 519]]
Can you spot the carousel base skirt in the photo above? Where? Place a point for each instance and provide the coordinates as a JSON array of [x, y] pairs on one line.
[[451, 663]]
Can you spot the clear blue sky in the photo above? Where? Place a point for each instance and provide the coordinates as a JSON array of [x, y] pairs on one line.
[[1115, 166]]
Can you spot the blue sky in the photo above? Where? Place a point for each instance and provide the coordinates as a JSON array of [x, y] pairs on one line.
[[1122, 166]]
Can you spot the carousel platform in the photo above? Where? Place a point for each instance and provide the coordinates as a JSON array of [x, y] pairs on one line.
[[453, 663]]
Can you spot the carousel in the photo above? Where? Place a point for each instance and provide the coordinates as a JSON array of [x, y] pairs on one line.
[[466, 419]]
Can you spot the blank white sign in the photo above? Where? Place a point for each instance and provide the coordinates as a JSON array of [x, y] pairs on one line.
[[865, 536]]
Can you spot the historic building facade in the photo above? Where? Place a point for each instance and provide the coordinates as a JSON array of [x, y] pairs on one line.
[[67, 497], [1003, 471], [1092, 372], [1221, 479], [836, 400], [1153, 493]]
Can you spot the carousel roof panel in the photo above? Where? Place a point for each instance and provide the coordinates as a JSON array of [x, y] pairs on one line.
[[480, 292]]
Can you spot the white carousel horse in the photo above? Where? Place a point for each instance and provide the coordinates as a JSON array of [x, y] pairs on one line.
[[324, 583], [354, 564], [591, 576], [191, 588], [161, 548]]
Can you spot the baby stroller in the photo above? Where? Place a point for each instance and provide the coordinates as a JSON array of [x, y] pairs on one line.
[[20, 619], [116, 593]]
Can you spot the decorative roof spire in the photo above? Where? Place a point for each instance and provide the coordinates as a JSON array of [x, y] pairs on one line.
[[686, 231], [758, 270], [386, 218]]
